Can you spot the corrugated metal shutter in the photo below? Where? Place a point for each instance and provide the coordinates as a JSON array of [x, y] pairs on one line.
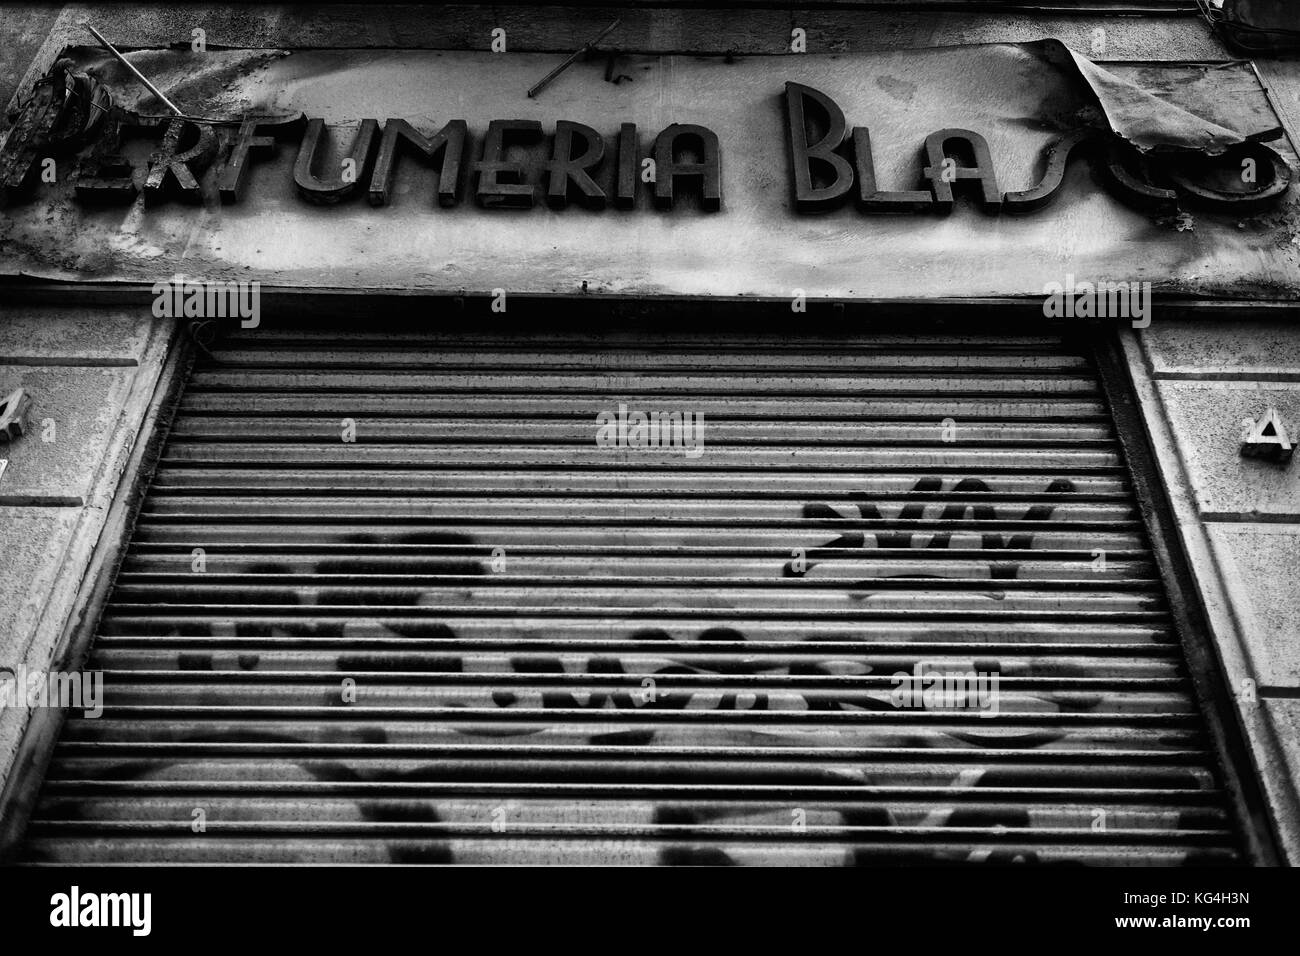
[[647, 670]]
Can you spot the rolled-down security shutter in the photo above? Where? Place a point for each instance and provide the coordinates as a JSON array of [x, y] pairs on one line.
[[389, 600]]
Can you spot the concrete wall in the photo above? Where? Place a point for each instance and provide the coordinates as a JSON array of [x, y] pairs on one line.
[[1239, 517], [23, 30], [92, 375]]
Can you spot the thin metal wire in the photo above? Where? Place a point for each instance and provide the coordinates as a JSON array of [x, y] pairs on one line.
[[134, 72], [570, 60]]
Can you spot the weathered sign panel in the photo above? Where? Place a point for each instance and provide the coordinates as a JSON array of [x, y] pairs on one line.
[[889, 175]]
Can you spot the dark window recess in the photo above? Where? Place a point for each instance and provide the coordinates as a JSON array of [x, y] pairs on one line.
[[566, 653]]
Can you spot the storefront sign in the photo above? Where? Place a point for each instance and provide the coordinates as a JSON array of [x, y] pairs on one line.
[[770, 176], [579, 165]]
